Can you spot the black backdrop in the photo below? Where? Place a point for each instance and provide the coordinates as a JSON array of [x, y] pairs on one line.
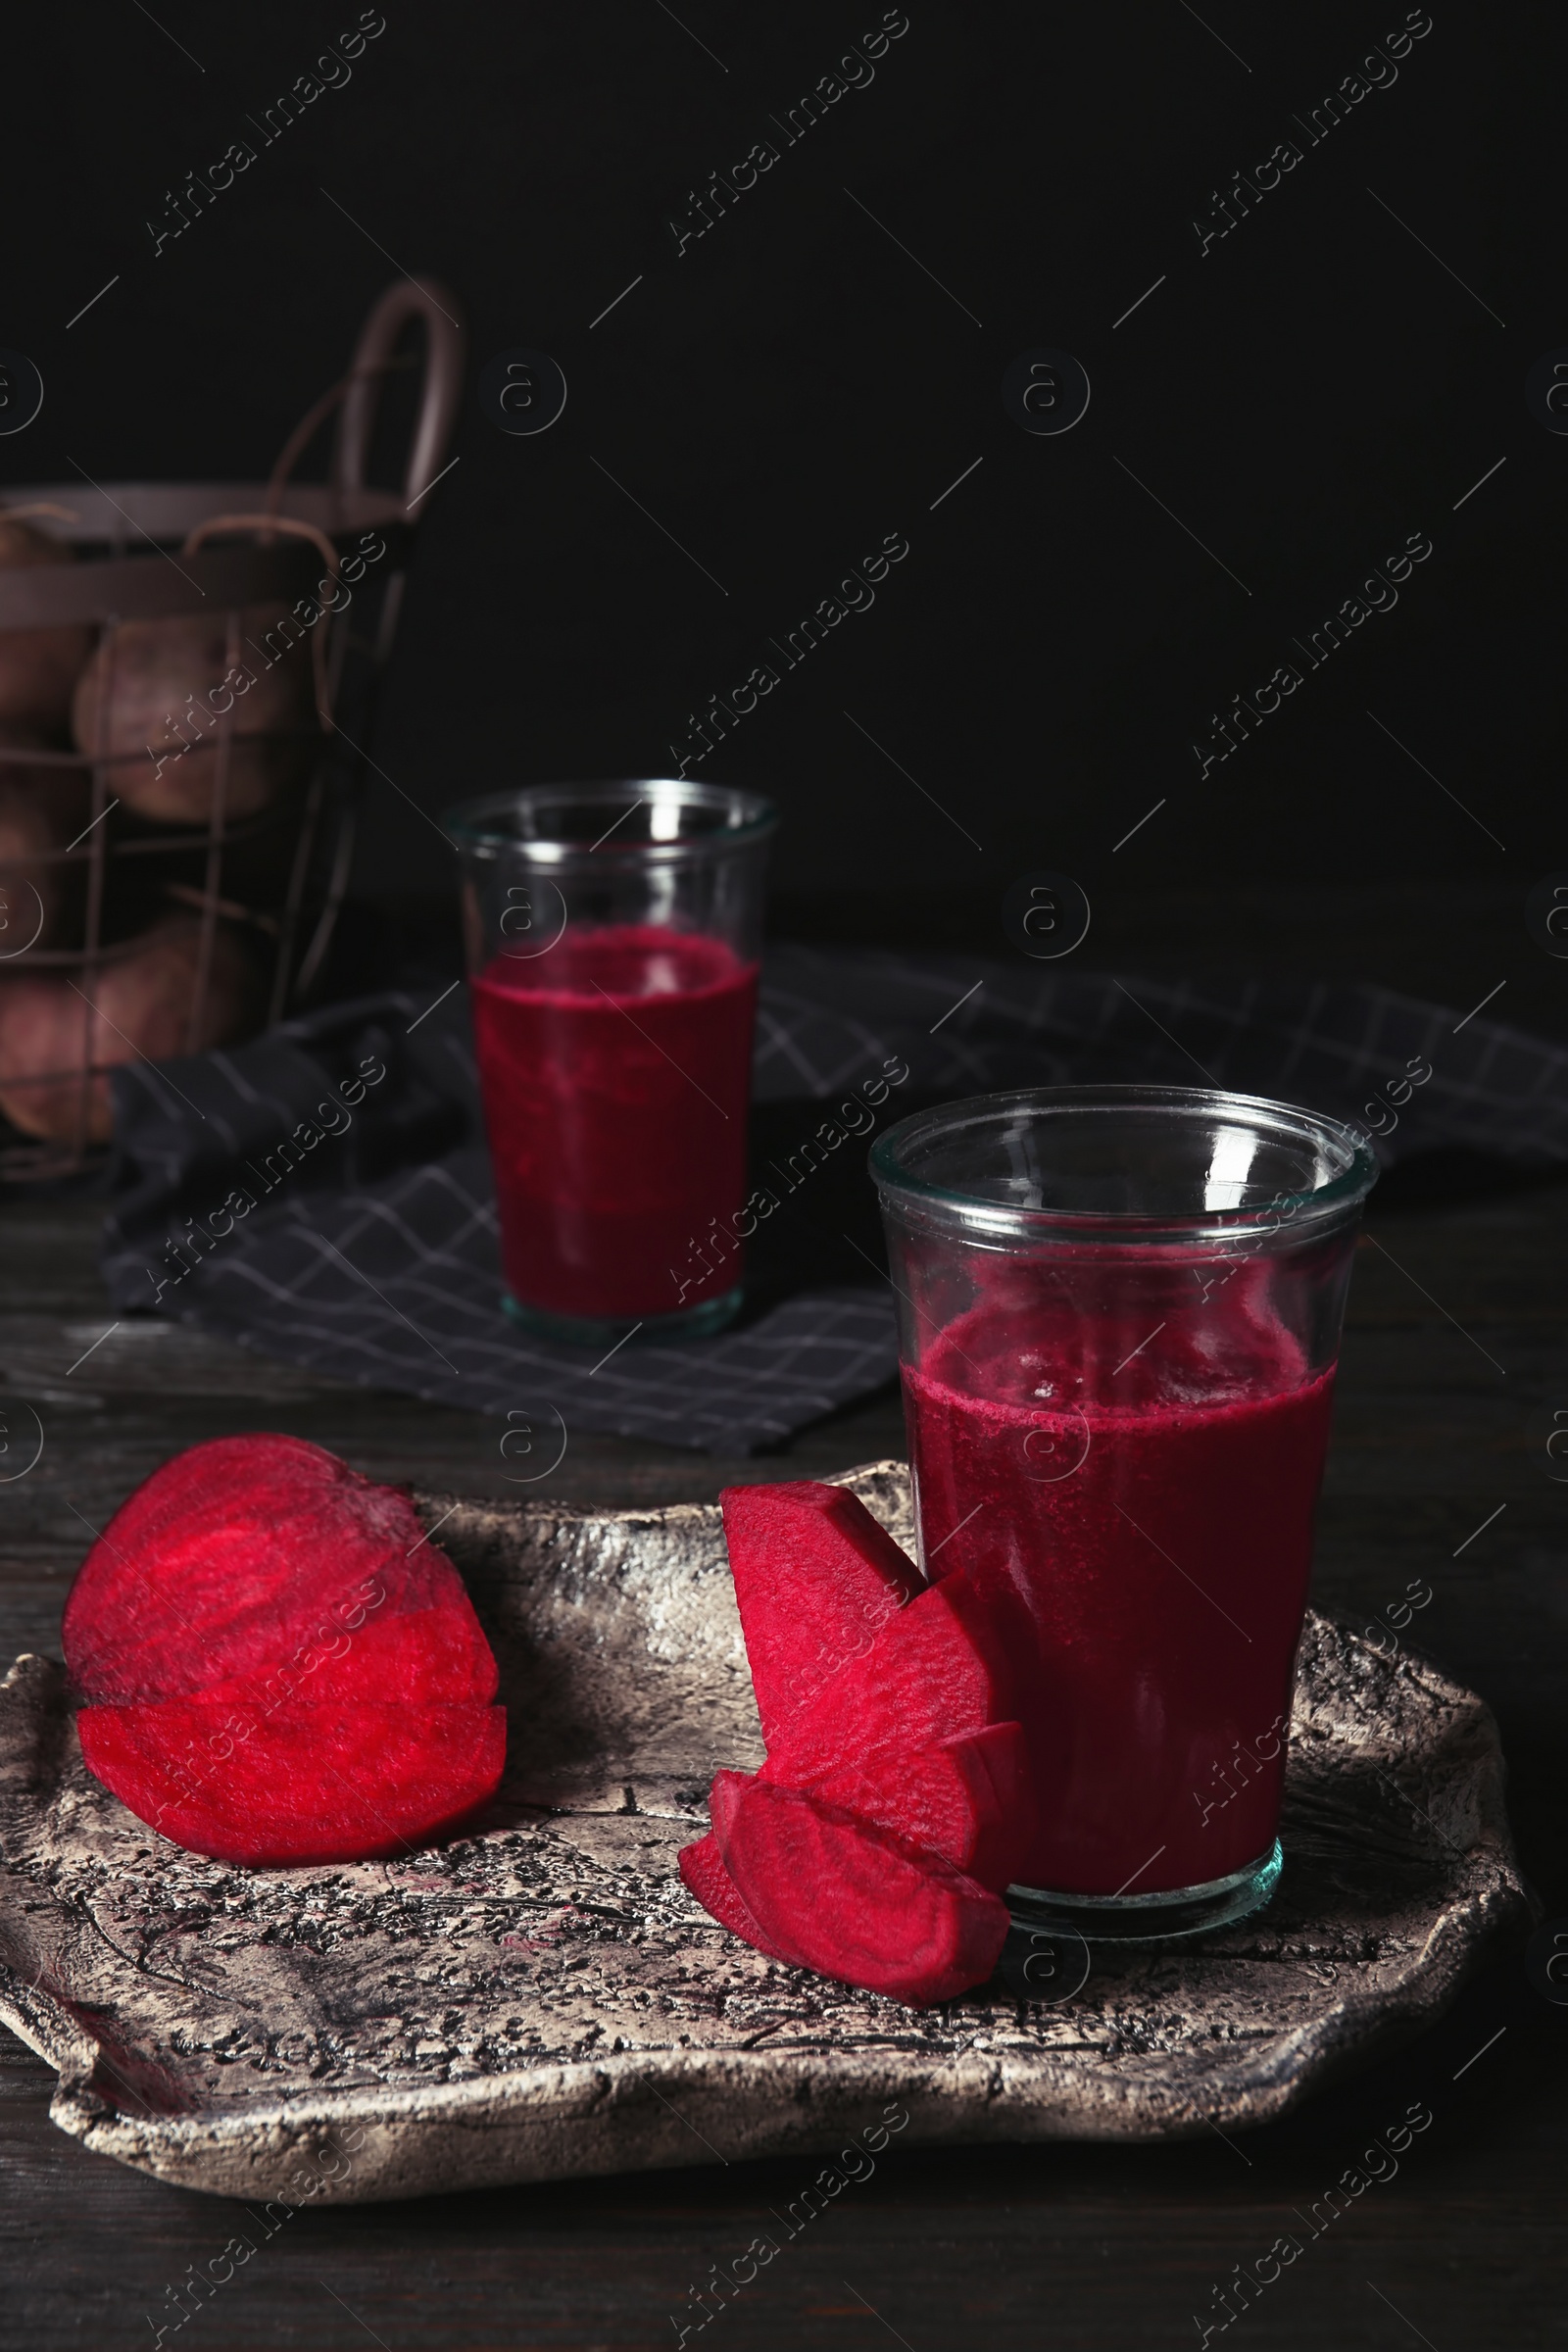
[[811, 375]]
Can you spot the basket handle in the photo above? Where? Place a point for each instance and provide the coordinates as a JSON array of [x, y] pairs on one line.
[[445, 350], [266, 527]]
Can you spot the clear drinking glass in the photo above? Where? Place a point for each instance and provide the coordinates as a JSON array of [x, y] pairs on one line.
[[1119, 1314], [612, 934]]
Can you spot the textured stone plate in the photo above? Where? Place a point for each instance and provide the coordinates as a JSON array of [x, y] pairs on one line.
[[543, 1998]]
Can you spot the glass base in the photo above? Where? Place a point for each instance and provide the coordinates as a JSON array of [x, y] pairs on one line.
[[610, 1330], [1150, 1917]]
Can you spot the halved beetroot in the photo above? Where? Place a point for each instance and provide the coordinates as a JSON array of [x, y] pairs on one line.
[[815, 1580], [702, 1867], [247, 1564], [343, 1781], [854, 1900], [290, 1670], [968, 1800], [947, 1663]]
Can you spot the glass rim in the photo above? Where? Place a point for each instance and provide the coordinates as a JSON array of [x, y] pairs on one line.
[[749, 820], [984, 1217]]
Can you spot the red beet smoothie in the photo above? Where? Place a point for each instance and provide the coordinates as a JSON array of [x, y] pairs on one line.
[[615, 1072], [1158, 1522]]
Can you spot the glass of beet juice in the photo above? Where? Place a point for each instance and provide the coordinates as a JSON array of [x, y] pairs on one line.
[[1120, 1311], [612, 935]]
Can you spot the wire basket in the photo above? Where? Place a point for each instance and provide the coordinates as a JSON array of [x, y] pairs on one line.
[[188, 680]]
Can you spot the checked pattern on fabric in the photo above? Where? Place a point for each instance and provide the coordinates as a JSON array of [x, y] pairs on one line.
[[376, 1260]]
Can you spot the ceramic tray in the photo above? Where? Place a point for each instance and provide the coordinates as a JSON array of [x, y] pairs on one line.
[[542, 1998]]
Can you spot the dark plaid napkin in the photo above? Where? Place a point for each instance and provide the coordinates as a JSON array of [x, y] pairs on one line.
[[324, 1196]]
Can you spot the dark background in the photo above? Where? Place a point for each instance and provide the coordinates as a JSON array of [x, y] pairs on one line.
[[794, 387]]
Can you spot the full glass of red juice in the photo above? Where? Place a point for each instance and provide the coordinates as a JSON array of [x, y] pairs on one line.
[[1121, 1309], [612, 935]]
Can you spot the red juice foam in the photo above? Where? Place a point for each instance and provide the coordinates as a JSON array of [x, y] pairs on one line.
[[615, 1071], [1156, 1518]]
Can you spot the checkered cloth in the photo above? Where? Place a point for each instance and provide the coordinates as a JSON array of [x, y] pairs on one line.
[[377, 1258]]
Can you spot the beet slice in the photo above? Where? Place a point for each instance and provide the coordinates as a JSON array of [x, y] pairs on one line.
[[262, 1565], [968, 1800], [1001, 1752], [339, 1781], [702, 1867], [817, 1578], [853, 1901], [943, 1665], [724, 1796]]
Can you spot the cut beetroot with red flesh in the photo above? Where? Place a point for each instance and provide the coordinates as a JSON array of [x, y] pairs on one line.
[[944, 1664], [1000, 1754], [341, 1781], [249, 1565], [856, 1901], [702, 1868], [292, 1670], [817, 1578], [724, 1796], [968, 1799]]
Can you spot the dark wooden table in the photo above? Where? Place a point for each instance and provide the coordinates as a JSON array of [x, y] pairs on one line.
[[1455, 1341]]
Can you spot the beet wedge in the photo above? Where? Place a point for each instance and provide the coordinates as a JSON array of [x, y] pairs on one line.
[[856, 1901], [701, 1869], [817, 1578], [724, 1796], [944, 1664], [343, 1781], [968, 1800], [261, 1567]]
